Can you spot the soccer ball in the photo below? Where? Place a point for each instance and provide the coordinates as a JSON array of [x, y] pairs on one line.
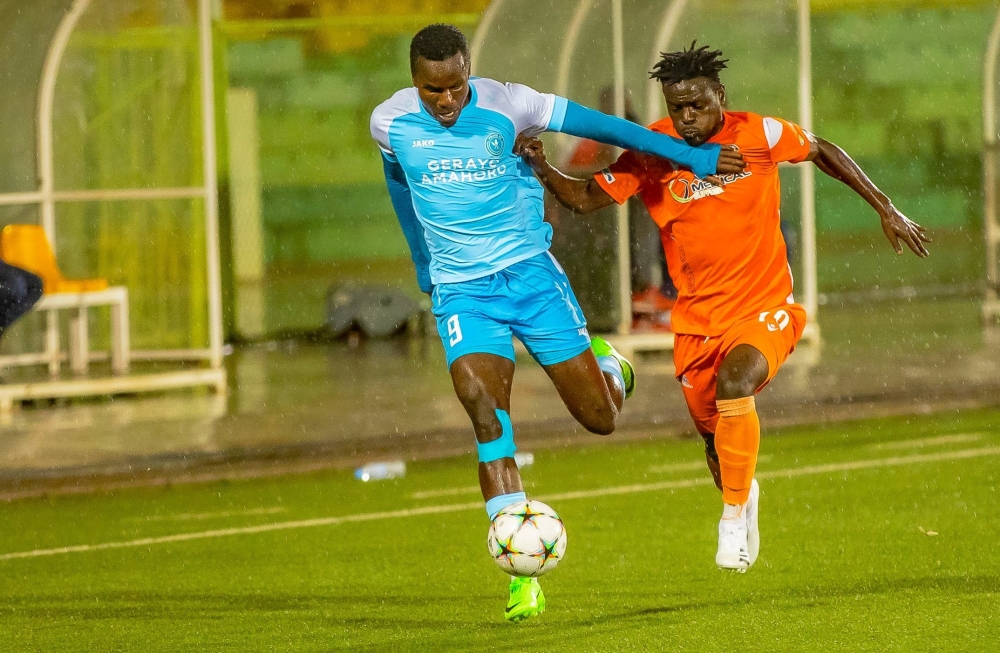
[[527, 539]]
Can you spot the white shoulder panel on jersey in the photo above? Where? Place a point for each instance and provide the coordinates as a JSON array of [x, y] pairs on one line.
[[529, 110], [401, 103], [772, 129]]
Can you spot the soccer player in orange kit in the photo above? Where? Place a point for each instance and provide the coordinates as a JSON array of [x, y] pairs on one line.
[[735, 320]]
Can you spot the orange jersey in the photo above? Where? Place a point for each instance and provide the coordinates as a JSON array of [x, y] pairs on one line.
[[723, 244]]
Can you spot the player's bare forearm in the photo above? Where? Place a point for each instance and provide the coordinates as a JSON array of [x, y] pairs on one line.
[[836, 163], [821, 163], [579, 195]]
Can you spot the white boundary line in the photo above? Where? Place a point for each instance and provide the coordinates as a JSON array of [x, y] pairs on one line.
[[958, 438], [478, 505], [687, 466], [245, 530], [197, 516], [446, 492], [693, 465]]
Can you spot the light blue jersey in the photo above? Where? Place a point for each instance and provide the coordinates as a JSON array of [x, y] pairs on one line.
[[480, 206], [471, 213]]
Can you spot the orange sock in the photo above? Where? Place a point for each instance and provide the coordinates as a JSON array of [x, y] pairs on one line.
[[737, 439]]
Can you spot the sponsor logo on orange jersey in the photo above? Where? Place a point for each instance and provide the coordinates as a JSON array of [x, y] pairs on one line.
[[685, 190]]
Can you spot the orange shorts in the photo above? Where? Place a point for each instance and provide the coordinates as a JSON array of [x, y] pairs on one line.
[[697, 358]]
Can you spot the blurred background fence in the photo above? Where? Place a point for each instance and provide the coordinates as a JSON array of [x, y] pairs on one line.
[[897, 84], [126, 114]]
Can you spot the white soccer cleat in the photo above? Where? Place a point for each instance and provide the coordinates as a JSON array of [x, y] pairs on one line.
[[753, 532], [734, 551]]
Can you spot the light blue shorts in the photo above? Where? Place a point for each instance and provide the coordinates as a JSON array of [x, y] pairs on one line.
[[530, 299]]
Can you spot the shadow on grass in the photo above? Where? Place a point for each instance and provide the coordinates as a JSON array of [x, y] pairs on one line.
[[354, 609], [363, 610], [348, 620], [817, 595]]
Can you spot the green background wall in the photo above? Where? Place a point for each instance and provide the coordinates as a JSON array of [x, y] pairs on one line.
[[899, 90]]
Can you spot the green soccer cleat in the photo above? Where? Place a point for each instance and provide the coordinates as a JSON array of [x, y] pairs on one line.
[[602, 347], [526, 599]]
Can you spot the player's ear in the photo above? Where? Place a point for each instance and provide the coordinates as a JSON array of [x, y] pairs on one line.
[[722, 96]]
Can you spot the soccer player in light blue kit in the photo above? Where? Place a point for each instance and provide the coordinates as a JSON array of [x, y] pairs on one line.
[[471, 212]]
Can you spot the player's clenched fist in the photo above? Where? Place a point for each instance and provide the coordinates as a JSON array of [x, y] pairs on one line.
[[531, 149], [730, 161]]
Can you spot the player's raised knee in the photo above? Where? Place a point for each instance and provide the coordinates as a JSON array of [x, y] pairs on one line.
[[741, 373], [734, 385]]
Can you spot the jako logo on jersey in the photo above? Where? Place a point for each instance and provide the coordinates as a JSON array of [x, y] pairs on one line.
[[686, 190], [423, 143], [608, 177], [494, 143]]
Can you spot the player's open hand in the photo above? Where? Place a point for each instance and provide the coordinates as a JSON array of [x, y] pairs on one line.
[[531, 149], [897, 227], [730, 161]]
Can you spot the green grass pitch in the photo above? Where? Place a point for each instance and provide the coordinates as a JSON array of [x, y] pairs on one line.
[[876, 536]]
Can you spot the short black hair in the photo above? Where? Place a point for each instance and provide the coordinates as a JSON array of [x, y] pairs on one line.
[[437, 42], [695, 62]]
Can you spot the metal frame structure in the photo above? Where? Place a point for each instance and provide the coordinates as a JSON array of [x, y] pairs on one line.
[[991, 158], [808, 195], [671, 17], [621, 210], [47, 198]]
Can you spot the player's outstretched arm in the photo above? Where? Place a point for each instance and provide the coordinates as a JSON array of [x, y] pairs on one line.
[[580, 195], [704, 160], [836, 163], [402, 203]]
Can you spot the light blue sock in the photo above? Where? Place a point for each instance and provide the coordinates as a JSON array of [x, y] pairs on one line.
[[612, 366], [498, 503]]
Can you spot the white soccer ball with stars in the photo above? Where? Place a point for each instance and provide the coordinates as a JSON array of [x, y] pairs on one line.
[[527, 539]]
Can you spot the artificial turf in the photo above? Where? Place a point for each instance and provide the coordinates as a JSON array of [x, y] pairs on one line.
[[848, 559]]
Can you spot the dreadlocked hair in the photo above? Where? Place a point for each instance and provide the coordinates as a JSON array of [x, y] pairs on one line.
[[677, 67], [437, 42]]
